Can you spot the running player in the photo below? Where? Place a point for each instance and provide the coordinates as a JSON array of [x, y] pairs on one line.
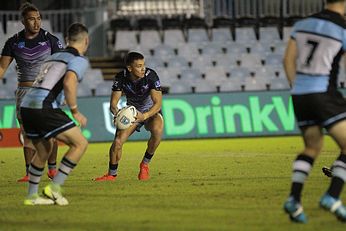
[[29, 47], [311, 63], [44, 121], [142, 89]]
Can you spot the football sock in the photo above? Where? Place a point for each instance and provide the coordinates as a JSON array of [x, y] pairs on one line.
[[301, 169], [147, 157], [27, 169], [35, 174], [339, 176], [113, 169], [51, 166], [65, 168]]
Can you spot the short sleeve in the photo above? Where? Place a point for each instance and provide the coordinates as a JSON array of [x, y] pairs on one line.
[[79, 66], [56, 44], [7, 50], [117, 83], [293, 33], [154, 82]]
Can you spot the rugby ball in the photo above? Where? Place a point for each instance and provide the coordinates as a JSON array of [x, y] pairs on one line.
[[125, 117]]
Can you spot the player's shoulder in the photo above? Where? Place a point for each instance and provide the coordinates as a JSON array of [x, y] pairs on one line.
[[329, 16], [52, 38], [150, 73], [121, 74], [49, 35], [16, 37]]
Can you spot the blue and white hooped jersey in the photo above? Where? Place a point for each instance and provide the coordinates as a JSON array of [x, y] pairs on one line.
[[47, 90], [321, 42]]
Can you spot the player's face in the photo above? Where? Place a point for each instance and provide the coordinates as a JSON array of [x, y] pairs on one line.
[[137, 68], [32, 22]]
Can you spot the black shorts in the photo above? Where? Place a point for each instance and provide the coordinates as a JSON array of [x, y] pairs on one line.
[[323, 109], [45, 123]]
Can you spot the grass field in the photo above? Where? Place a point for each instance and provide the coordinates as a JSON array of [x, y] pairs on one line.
[[219, 184]]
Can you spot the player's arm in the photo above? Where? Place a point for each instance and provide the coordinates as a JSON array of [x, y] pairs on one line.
[[290, 61], [115, 97], [56, 44], [5, 61], [156, 97], [70, 91]]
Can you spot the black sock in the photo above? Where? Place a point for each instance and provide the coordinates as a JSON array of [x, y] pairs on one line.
[[147, 157], [27, 169], [113, 169], [51, 165]]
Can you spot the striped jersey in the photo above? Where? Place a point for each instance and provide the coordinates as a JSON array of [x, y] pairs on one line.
[[30, 53], [47, 90], [321, 42]]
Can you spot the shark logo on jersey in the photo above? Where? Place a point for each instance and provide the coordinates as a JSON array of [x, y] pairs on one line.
[[60, 45], [21, 44], [42, 43], [157, 84]]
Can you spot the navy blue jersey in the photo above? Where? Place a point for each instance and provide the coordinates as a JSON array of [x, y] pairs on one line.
[[30, 53], [137, 92], [321, 41], [47, 90]]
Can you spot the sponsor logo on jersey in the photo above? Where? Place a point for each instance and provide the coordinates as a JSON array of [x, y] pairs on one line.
[[21, 44]]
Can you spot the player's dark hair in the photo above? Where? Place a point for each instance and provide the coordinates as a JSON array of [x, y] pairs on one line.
[[75, 30], [131, 57], [334, 1], [26, 8]]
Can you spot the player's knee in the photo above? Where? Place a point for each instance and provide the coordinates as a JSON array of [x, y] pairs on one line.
[[84, 144], [81, 145], [118, 143], [157, 131]]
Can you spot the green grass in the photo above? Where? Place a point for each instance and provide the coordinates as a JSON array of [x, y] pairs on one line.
[[219, 184]]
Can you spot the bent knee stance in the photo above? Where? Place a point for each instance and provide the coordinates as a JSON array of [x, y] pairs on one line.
[[81, 145]]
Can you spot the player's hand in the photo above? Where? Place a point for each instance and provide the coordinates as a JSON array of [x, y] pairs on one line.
[[140, 117], [115, 116], [81, 119]]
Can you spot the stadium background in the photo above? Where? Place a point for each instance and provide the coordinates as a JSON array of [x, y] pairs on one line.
[[219, 61], [201, 184]]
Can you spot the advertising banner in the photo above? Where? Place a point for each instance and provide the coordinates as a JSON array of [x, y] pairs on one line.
[[186, 116]]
